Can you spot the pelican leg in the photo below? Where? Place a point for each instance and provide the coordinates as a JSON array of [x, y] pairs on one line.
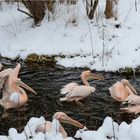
[[77, 101]]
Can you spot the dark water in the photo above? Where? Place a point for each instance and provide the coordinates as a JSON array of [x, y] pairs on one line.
[[47, 82]]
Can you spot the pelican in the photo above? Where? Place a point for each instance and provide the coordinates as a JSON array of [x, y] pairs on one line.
[[76, 92], [52, 130], [1, 66], [134, 104], [131, 109], [132, 100], [121, 90], [13, 95]]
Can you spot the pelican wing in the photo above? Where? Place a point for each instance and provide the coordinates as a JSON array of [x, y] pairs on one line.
[[132, 109], [3, 88], [1, 66], [81, 91], [132, 99], [68, 88], [5, 72], [3, 81], [118, 91]]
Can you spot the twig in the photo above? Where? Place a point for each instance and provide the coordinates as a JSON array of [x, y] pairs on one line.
[[23, 11], [136, 8], [127, 15], [91, 41]]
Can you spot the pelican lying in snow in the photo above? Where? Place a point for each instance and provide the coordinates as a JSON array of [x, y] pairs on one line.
[[13, 95], [121, 90], [75, 92], [52, 130]]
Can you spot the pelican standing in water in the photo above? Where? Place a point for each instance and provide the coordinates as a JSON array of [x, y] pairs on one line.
[[121, 90], [13, 96], [52, 130], [75, 92]]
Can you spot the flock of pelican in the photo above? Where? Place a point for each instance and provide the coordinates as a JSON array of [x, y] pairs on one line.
[[14, 96]]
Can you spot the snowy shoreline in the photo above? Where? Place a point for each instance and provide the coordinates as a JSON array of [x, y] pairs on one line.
[[61, 37]]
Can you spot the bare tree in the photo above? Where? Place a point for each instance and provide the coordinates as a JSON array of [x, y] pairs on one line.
[[91, 6], [36, 8]]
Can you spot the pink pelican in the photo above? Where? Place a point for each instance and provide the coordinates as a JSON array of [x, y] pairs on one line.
[[131, 109], [13, 96], [121, 90], [132, 100], [76, 92], [134, 104], [52, 130], [1, 66]]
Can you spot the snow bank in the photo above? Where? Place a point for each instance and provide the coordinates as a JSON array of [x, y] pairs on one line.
[[109, 130], [62, 36]]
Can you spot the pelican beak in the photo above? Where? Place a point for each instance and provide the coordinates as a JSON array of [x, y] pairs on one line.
[[96, 77], [71, 121], [131, 88], [22, 84]]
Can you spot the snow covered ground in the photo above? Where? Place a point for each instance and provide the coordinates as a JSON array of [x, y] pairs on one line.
[[61, 36]]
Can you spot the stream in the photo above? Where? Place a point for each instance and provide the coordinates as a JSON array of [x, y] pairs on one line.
[[47, 82]]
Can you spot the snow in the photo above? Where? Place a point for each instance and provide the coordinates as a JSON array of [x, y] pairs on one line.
[[108, 131], [31, 132], [60, 36]]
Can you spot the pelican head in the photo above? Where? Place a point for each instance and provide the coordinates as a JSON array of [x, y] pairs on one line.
[[126, 83], [89, 75], [19, 83], [62, 117]]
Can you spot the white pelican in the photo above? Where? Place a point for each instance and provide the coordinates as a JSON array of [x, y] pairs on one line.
[[13, 96], [75, 92], [121, 90], [52, 130]]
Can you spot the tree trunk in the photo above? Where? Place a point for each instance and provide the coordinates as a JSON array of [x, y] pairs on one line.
[[91, 8], [109, 10], [36, 8]]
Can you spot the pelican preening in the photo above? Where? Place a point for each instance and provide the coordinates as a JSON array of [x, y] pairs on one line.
[[75, 92], [13, 95], [121, 90]]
